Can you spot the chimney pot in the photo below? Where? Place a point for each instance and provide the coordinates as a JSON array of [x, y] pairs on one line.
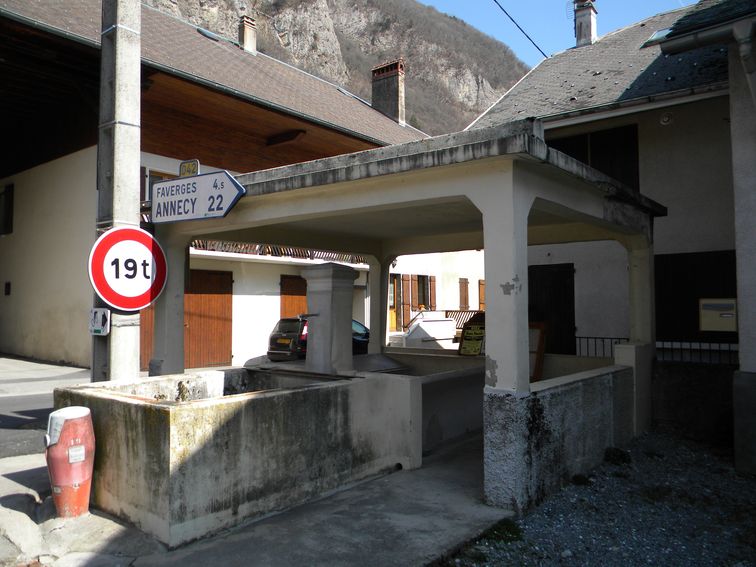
[[585, 22], [248, 34], [388, 89]]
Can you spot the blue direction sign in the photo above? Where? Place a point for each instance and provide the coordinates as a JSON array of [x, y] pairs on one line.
[[206, 196]]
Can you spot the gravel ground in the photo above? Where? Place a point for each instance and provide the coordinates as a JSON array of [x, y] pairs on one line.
[[662, 502]]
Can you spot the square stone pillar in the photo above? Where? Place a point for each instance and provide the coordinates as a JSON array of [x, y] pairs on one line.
[[330, 289], [168, 340]]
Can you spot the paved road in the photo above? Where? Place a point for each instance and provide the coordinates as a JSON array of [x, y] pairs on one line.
[[23, 420], [26, 400]]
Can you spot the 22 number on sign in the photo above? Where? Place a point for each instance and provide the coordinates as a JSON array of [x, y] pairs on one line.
[[216, 201]]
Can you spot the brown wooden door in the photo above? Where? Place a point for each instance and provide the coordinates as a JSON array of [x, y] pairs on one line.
[[207, 322], [207, 319], [146, 333], [395, 293], [293, 296]]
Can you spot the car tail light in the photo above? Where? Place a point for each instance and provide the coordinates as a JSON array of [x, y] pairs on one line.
[[303, 334]]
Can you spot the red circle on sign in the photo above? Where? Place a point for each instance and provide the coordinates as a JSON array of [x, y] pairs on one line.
[[99, 279]]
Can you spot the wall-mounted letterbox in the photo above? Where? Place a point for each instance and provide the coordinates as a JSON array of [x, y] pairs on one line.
[[718, 315]]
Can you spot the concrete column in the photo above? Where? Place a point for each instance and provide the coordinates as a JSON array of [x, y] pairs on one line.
[[640, 261], [378, 285], [743, 142], [168, 342], [330, 289], [639, 353], [116, 356], [505, 234]]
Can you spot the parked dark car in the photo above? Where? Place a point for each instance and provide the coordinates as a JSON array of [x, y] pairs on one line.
[[288, 341]]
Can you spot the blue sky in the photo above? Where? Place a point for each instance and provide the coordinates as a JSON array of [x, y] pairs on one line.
[[548, 22]]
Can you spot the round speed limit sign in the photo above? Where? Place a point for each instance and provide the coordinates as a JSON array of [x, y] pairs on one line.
[[127, 268]]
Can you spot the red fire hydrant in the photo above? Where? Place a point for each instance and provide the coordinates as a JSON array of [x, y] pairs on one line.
[[70, 459]]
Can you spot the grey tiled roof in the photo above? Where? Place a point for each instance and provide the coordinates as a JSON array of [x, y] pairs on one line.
[[176, 46], [616, 69], [709, 13]]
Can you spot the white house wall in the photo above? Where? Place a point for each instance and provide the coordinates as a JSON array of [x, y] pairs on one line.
[[256, 303], [685, 166], [601, 284], [45, 260], [448, 268]]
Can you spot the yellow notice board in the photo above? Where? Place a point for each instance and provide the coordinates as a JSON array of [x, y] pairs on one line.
[[718, 314], [473, 341]]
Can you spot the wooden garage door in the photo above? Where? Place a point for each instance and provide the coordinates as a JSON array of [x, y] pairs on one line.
[[207, 321], [293, 296]]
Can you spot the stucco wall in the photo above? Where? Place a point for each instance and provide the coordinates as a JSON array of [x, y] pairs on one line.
[[45, 260]]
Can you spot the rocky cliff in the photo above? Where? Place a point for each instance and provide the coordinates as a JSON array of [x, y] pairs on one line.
[[454, 72]]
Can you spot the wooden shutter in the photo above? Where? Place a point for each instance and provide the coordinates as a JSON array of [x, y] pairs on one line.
[[432, 293], [414, 302], [406, 294], [143, 184], [464, 294], [482, 295]]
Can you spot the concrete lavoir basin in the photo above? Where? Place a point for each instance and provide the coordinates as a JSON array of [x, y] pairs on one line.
[[186, 455]]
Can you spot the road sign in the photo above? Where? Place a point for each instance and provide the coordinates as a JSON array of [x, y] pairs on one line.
[[189, 167], [127, 268], [210, 195]]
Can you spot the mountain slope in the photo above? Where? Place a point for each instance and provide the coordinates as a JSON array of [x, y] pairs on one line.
[[454, 72]]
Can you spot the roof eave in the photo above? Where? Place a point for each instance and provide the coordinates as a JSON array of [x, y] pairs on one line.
[[722, 33], [194, 78], [641, 104]]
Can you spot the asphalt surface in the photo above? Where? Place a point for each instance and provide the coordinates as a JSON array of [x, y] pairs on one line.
[[26, 399]]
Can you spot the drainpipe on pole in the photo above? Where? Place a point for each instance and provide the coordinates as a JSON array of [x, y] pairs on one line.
[[116, 356]]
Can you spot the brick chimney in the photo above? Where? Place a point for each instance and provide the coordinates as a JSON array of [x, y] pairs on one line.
[[388, 89], [585, 22], [248, 34]]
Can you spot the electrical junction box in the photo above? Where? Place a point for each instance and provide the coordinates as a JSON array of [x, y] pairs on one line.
[[718, 315]]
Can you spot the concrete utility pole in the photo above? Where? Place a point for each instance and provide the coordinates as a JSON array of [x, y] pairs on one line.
[[116, 356]]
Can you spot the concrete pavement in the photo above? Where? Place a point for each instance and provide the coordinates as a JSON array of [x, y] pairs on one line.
[[403, 518]]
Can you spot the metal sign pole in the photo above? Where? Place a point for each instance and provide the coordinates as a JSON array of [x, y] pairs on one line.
[[116, 356]]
